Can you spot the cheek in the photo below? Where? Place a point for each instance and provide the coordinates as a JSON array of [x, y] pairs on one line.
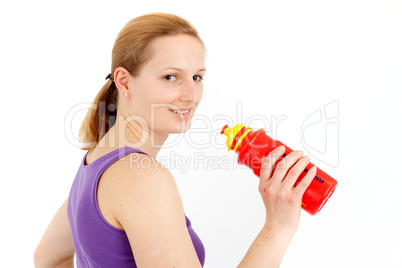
[[159, 105], [150, 97], [199, 95], [166, 97]]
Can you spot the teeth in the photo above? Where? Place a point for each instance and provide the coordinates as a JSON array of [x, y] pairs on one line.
[[180, 112]]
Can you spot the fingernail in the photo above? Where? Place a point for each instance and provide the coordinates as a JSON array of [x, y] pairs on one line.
[[314, 168], [306, 157]]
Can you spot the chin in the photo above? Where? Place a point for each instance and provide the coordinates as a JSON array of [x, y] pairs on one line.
[[183, 127]]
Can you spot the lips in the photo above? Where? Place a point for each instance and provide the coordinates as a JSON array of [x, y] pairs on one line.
[[181, 113]]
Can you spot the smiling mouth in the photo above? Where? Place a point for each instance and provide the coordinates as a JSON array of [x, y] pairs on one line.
[[180, 111]]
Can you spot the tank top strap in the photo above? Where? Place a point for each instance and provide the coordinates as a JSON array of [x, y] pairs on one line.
[[118, 154], [105, 161], [122, 152]]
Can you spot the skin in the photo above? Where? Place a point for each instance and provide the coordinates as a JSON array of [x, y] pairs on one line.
[[144, 201], [172, 79]]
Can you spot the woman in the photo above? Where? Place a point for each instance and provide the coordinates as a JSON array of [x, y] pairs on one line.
[[124, 209]]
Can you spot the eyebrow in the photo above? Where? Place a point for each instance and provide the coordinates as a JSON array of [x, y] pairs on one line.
[[180, 70]]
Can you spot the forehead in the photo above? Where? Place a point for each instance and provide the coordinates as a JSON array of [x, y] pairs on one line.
[[185, 51]]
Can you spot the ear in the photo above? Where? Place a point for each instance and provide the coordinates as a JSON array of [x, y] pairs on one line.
[[121, 79]]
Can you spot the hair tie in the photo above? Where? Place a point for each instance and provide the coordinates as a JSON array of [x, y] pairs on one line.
[[109, 76]]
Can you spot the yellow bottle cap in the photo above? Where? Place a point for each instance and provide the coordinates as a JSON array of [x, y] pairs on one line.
[[231, 134]]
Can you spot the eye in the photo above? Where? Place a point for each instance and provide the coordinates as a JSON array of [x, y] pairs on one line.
[[170, 78], [197, 78]]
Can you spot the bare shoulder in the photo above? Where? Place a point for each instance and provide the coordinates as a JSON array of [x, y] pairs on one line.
[[133, 177], [137, 176], [142, 171], [144, 181], [137, 183], [149, 208]]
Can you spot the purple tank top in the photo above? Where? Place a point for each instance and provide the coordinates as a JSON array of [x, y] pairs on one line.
[[96, 242]]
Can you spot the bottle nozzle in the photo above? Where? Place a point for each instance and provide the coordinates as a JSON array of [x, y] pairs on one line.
[[226, 130]]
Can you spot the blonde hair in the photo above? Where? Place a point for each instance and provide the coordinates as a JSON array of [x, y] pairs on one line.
[[131, 50]]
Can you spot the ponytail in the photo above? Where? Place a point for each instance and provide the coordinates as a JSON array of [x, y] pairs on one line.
[[100, 117]]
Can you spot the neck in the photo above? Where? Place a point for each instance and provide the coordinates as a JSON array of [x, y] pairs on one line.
[[128, 132]]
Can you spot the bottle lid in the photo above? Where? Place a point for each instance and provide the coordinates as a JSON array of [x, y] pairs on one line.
[[235, 135]]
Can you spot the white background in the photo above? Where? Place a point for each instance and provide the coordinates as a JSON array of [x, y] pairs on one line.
[[266, 59]]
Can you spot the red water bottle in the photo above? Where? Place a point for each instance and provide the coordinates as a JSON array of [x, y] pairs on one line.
[[252, 146]]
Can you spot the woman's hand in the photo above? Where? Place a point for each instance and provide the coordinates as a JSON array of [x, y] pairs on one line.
[[281, 199]]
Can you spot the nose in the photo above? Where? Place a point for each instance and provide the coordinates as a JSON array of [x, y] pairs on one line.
[[191, 91]]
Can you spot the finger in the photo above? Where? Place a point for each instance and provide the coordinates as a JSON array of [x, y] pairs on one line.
[[295, 171], [285, 164], [269, 161], [306, 181]]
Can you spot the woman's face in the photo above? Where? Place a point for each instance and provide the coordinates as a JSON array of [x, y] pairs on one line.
[[170, 81]]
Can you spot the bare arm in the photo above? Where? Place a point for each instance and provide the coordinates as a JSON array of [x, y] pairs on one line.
[[267, 250], [283, 205], [148, 206], [56, 249]]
